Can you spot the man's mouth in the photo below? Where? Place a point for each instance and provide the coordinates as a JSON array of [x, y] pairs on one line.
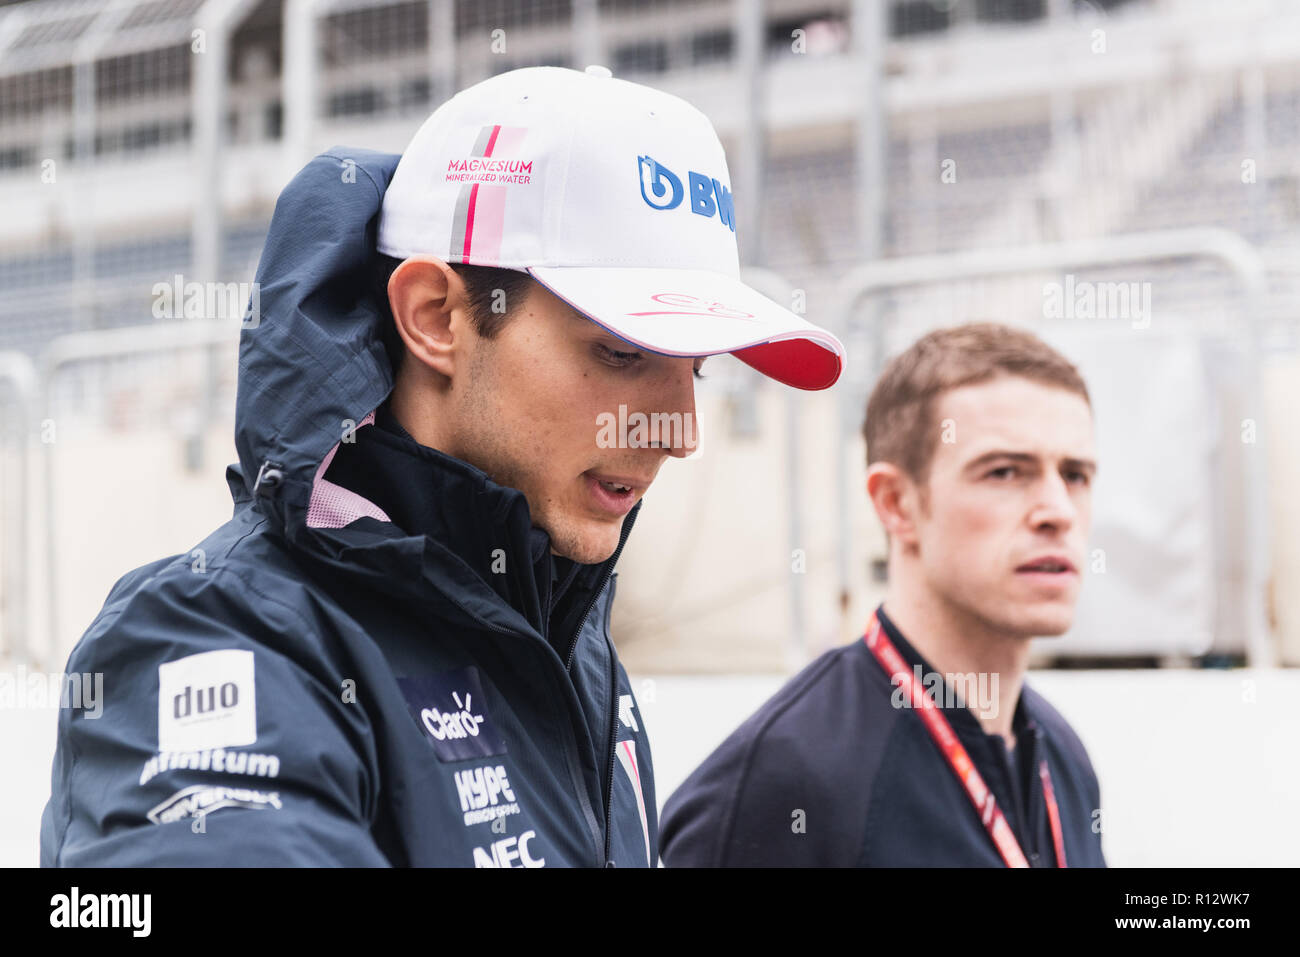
[[1048, 565], [614, 494]]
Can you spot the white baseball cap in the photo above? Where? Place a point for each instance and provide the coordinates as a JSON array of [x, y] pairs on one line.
[[615, 197]]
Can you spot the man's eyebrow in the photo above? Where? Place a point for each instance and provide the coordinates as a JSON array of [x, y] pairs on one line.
[[1083, 465]]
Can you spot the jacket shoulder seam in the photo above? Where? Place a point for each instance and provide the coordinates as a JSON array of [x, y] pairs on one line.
[[751, 749]]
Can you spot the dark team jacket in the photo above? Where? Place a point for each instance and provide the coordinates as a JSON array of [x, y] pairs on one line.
[[321, 682], [828, 772]]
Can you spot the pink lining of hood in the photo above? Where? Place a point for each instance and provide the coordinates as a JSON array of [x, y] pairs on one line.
[[332, 505]]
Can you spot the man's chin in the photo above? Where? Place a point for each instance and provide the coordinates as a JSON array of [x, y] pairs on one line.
[[586, 544], [1051, 622]]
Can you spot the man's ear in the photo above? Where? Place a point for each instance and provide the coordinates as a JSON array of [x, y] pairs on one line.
[[428, 303], [896, 500]]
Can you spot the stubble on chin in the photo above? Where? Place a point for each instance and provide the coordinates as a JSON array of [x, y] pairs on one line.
[[569, 540]]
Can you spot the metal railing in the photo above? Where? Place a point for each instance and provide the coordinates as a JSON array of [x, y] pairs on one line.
[[19, 372], [89, 346]]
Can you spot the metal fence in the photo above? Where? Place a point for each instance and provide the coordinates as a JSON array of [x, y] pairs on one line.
[[105, 406], [115, 445]]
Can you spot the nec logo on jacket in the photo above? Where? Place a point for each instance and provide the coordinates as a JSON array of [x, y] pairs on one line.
[[451, 709]]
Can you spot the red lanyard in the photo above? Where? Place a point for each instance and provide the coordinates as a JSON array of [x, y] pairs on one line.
[[958, 759]]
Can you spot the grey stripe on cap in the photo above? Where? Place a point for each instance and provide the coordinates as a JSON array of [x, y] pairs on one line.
[[456, 245]]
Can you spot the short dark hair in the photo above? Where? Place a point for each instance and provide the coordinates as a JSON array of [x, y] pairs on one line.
[[900, 426], [485, 286]]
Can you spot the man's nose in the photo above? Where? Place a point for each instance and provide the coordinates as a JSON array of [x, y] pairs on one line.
[[689, 440], [1055, 506], [683, 429]]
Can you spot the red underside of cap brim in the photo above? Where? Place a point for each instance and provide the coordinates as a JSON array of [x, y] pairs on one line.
[[794, 362]]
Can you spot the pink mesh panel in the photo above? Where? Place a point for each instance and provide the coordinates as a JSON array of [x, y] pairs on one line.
[[332, 505]]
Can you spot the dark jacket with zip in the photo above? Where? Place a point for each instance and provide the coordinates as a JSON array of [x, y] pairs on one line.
[[829, 772], [376, 661]]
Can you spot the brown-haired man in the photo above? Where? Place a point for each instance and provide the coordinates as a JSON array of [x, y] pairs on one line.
[[397, 650], [921, 745]]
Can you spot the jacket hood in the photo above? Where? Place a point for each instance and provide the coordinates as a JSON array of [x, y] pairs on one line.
[[313, 364], [313, 369]]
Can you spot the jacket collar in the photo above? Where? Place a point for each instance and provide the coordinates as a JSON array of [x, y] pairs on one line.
[[420, 516], [962, 719]]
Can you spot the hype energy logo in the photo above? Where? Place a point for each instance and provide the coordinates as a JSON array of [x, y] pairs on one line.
[[661, 188], [485, 794]]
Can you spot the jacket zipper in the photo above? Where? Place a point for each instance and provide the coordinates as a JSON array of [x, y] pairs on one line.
[[613, 691], [573, 644], [613, 747], [575, 773], [1025, 817], [1036, 799]]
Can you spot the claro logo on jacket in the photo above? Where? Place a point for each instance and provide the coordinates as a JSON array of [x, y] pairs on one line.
[[452, 710]]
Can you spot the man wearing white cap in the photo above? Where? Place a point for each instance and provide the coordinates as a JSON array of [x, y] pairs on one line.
[[615, 199], [397, 651]]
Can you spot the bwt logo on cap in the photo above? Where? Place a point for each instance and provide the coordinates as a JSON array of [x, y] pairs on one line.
[[662, 189]]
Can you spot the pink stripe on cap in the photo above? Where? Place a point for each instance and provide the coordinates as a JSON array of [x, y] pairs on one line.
[[489, 213], [508, 140], [485, 219]]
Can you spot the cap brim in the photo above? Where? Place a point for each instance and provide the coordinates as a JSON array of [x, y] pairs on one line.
[[697, 312]]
